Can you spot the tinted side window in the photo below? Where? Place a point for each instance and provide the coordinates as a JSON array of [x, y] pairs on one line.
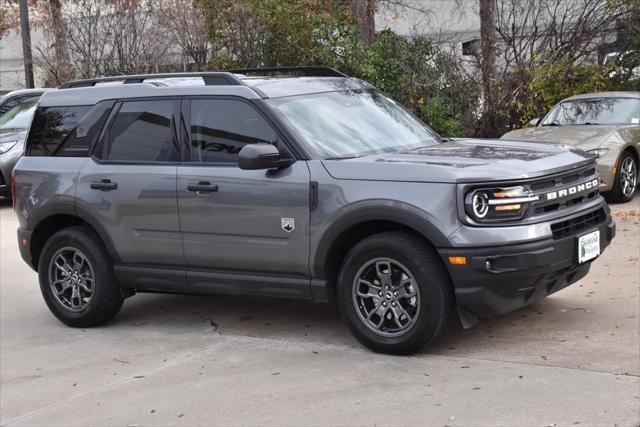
[[50, 129], [221, 127], [143, 131]]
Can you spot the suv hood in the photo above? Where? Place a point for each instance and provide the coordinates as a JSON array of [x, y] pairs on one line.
[[466, 160], [586, 137]]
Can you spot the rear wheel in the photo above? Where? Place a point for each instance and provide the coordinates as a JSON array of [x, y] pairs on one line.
[[626, 179], [76, 278], [394, 293]]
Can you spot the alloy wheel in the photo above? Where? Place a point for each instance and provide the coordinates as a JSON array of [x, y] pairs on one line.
[[386, 297], [628, 176], [71, 279]]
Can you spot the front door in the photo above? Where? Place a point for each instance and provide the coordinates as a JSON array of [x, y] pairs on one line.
[[241, 228]]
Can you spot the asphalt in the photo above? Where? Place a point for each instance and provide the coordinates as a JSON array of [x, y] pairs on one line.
[[572, 359]]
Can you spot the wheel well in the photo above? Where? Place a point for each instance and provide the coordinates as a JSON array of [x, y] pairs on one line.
[[46, 228], [352, 236], [633, 152]]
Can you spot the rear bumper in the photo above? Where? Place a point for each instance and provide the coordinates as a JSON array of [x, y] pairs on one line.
[[498, 280], [25, 249]]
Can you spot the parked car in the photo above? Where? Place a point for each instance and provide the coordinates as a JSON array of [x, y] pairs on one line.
[[13, 98], [13, 131], [298, 183], [606, 125]]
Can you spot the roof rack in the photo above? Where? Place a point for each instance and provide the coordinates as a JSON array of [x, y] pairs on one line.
[[313, 71], [210, 78]]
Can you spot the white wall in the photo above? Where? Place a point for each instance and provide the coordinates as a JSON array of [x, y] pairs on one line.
[[11, 62]]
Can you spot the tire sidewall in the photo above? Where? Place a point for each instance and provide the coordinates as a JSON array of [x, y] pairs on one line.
[[100, 263], [618, 195], [431, 287]]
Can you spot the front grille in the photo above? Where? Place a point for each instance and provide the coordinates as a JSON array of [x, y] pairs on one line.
[[574, 225], [563, 182], [566, 203]]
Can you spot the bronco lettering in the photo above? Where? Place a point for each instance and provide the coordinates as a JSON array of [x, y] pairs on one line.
[[573, 190]]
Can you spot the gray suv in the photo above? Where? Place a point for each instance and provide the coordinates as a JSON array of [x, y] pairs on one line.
[[297, 183]]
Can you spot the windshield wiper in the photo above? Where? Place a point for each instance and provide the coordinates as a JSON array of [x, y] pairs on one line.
[[550, 124], [348, 156], [590, 123]]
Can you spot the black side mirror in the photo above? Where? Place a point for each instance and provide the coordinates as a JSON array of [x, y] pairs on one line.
[[261, 156]]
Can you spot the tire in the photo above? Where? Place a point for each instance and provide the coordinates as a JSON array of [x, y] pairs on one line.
[[411, 261], [625, 183], [74, 300]]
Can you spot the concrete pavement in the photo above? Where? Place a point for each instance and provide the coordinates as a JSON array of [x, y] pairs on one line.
[[571, 359]]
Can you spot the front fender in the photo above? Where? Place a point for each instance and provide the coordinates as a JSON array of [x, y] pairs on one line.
[[372, 210]]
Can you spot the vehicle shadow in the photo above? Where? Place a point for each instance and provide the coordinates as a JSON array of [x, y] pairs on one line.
[[321, 323]]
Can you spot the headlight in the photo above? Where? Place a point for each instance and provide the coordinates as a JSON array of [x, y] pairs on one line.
[[6, 146], [598, 152], [494, 204]]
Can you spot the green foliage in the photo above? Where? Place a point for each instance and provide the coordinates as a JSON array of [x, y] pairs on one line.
[[252, 33], [430, 83]]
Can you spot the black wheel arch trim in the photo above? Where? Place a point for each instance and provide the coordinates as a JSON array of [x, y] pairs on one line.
[[374, 210]]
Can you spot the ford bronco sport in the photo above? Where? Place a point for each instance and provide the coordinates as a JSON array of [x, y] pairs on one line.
[[297, 183]]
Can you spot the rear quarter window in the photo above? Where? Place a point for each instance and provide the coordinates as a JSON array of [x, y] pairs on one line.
[[52, 132]]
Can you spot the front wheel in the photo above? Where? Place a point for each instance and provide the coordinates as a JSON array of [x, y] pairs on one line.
[[76, 278], [626, 179], [394, 293]]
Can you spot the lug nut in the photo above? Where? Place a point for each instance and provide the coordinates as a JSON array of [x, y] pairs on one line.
[[393, 304], [384, 304], [380, 293], [395, 294]]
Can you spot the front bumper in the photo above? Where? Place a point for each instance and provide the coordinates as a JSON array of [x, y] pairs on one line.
[[498, 280]]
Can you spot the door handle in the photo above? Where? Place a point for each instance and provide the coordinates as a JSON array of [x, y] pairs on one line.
[[104, 185], [203, 187]]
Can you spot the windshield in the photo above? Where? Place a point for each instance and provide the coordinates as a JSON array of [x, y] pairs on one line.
[[602, 111], [353, 123], [19, 117]]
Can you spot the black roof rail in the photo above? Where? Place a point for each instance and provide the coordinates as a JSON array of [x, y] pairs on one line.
[[211, 78], [312, 71]]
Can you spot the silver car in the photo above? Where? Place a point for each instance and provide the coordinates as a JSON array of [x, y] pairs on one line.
[[607, 125], [13, 131]]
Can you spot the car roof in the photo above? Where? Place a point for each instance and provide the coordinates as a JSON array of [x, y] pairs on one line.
[[243, 83], [21, 92], [620, 94], [276, 87], [94, 94]]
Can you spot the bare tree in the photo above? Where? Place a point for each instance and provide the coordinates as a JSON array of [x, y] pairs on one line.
[[488, 65], [59, 29], [107, 38], [535, 30], [187, 29], [364, 13]]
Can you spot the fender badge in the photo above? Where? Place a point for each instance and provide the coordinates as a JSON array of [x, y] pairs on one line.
[[288, 224]]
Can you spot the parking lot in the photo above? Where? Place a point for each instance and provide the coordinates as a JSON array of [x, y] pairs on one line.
[[571, 359]]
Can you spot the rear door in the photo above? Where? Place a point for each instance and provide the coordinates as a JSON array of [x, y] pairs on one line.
[[129, 185], [240, 221]]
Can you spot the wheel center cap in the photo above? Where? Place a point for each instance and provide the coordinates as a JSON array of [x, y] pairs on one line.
[[388, 296]]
